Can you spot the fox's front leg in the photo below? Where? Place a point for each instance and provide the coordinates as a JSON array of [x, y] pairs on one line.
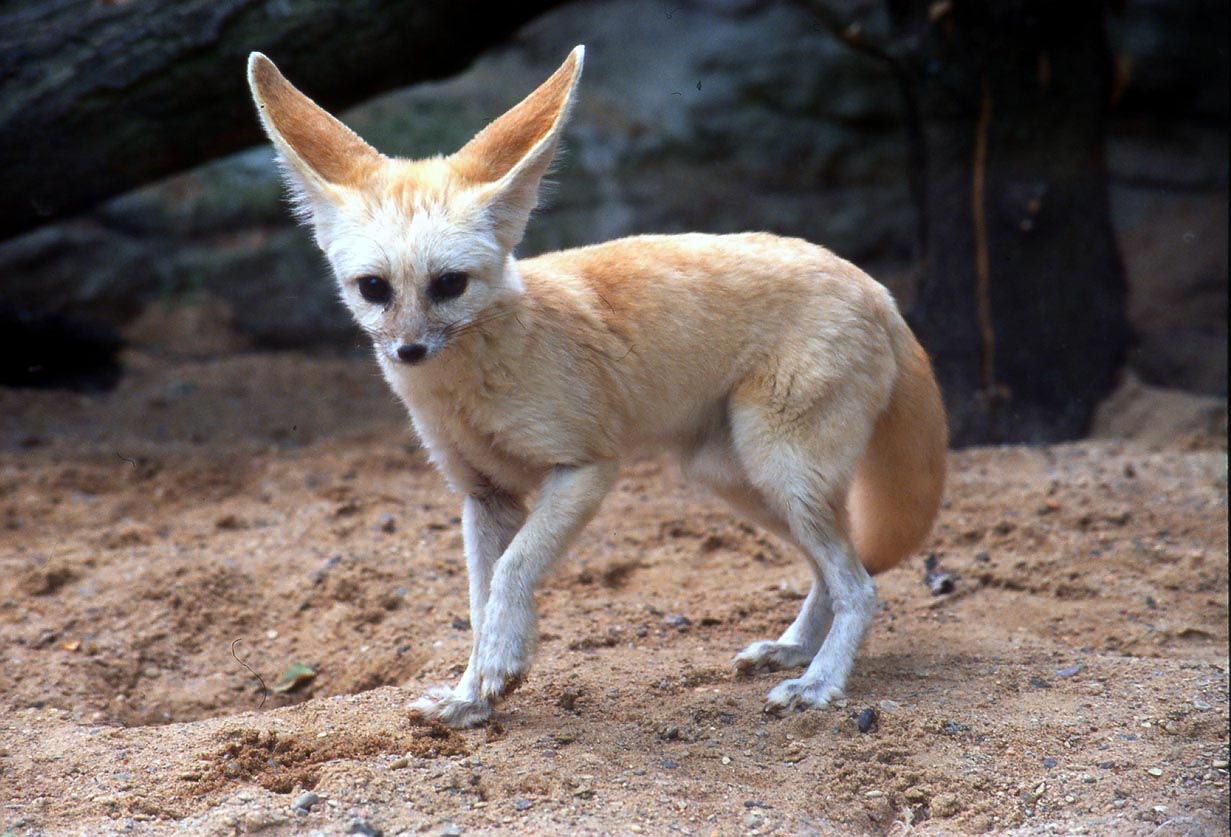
[[569, 498], [489, 522]]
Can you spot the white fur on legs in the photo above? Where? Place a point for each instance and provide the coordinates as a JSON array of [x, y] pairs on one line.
[[798, 643], [800, 455], [853, 599], [489, 522], [713, 461], [569, 498]]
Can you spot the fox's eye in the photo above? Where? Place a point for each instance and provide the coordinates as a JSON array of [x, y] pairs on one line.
[[447, 286], [375, 289]]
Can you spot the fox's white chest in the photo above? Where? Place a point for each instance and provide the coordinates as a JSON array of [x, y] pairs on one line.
[[471, 435]]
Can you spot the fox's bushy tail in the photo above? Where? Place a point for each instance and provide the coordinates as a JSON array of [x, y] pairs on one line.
[[898, 485]]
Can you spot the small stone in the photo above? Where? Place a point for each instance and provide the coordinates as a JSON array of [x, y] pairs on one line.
[[399, 763], [1049, 763], [866, 720], [450, 830], [1155, 771], [874, 794], [1070, 671], [386, 523], [362, 826], [305, 801], [940, 582], [754, 821], [679, 620], [1221, 764], [520, 804]]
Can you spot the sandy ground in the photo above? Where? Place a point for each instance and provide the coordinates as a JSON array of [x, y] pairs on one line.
[[265, 510]]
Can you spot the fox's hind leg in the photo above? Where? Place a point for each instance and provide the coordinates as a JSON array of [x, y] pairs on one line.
[[798, 643], [488, 526], [800, 454], [713, 463]]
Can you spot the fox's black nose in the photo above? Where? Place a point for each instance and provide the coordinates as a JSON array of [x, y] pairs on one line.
[[412, 352]]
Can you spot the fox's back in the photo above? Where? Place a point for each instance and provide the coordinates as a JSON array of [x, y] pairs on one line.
[[681, 320]]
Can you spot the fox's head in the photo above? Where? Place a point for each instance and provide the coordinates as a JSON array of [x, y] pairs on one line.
[[421, 248]]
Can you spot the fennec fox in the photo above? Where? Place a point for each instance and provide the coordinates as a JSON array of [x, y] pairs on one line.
[[784, 377]]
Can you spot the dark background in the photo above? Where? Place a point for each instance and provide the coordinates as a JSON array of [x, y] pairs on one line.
[[716, 117]]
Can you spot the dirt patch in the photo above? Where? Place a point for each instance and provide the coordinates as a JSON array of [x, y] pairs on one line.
[[1073, 676], [284, 763]]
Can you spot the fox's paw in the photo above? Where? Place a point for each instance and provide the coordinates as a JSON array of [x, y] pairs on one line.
[[768, 655], [505, 650], [799, 694], [452, 709], [500, 675]]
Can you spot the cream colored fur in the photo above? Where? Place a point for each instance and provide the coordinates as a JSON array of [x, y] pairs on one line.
[[783, 377]]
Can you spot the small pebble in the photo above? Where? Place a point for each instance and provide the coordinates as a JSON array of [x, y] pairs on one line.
[[866, 720], [386, 523], [679, 620], [522, 804], [940, 582], [305, 801], [568, 699], [1155, 771], [399, 763], [362, 826], [1069, 671], [1049, 763]]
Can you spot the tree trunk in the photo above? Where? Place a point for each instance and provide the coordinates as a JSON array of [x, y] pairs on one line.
[[99, 97], [1022, 303]]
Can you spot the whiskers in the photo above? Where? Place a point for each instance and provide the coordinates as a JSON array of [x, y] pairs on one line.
[[459, 327]]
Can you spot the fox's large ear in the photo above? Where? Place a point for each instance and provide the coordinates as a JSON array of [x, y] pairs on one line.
[[511, 155], [319, 154]]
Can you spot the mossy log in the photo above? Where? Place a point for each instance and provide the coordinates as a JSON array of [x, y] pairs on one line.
[[98, 97]]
